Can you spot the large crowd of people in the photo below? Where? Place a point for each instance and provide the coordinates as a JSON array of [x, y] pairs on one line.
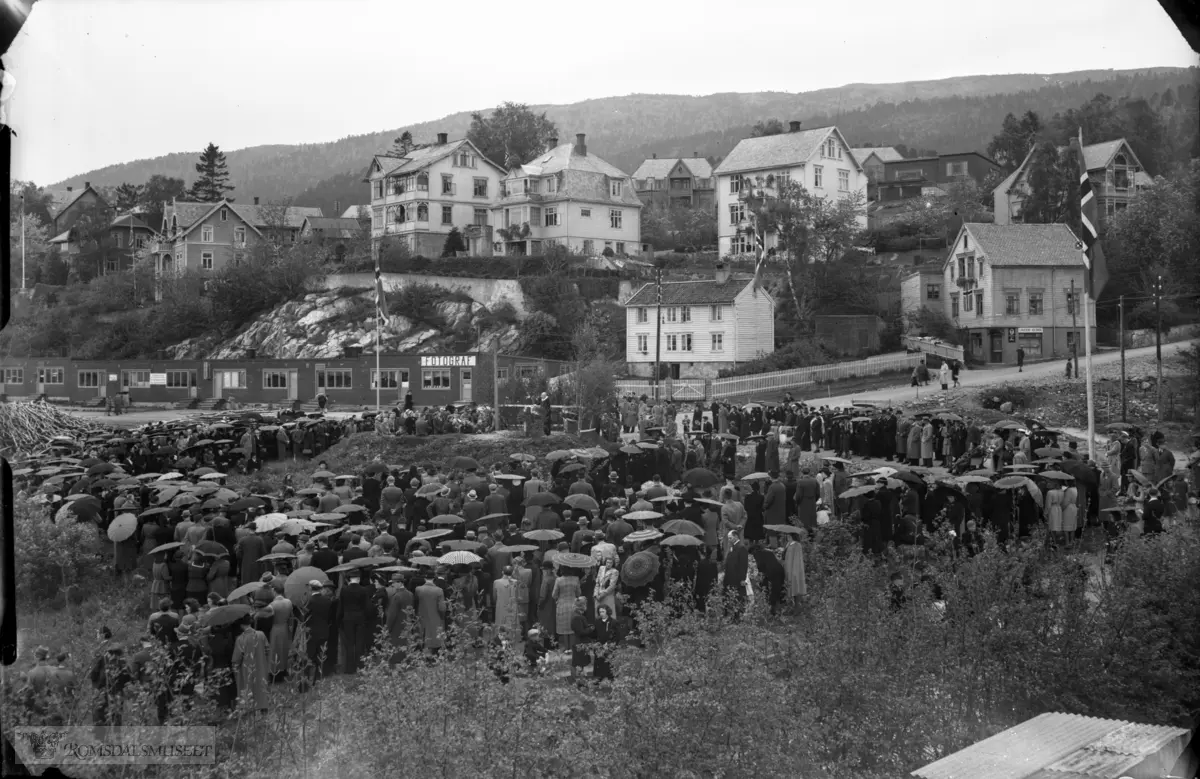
[[549, 555]]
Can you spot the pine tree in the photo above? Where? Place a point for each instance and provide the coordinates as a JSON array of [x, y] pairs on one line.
[[128, 196], [213, 182], [454, 243]]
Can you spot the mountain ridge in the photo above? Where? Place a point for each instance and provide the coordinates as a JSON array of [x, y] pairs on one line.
[[626, 129]]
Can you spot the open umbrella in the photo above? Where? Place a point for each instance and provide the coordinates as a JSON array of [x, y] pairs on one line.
[[974, 479], [836, 460], [789, 529], [211, 548], [269, 522], [582, 501], [559, 454], [572, 468], [630, 449], [639, 536], [425, 560], [1141, 477], [375, 468], [1047, 461], [349, 508], [308, 491], [122, 527], [1048, 451], [574, 560], [509, 477], [459, 558], [429, 489], [542, 499], [446, 519], [184, 500], [1057, 475], [395, 569], [647, 445], [643, 516], [701, 478], [521, 457], [756, 476], [241, 504], [322, 475], [295, 587], [909, 477], [166, 547], [463, 463], [543, 535], [436, 532], [854, 492], [99, 469], [276, 556], [1119, 426], [1011, 482], [681, 540], [684, 527], [1020, 467], [640, 569], [515, 548], [227, 615], [185, 463]]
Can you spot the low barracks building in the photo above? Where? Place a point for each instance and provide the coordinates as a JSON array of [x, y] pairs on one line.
[[348, 381]]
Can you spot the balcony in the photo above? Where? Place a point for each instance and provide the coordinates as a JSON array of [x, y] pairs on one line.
[[966, 282]]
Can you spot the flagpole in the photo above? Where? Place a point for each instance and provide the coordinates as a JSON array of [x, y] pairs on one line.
[[1087, 345]]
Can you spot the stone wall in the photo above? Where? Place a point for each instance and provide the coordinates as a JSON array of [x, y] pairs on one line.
[[1135, 339], [486, 292]]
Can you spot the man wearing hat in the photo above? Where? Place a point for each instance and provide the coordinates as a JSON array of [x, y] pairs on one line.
[[398, 617], [473, 507], [495, 503], [317, 616], [545, 404]]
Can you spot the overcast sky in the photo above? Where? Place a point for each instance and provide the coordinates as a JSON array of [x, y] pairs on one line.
[[106, 81]]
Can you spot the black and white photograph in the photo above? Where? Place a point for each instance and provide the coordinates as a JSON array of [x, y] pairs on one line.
[[660, 389]]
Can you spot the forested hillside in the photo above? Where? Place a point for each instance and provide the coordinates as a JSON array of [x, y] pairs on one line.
[[947, 115]]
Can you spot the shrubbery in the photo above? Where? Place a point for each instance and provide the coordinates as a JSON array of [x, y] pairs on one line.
[[800, 353], [50, 557]]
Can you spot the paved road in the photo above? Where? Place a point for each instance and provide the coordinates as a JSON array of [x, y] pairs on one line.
[[986, 377]]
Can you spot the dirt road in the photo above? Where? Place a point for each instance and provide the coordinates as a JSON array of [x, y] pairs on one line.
[[985, 377]]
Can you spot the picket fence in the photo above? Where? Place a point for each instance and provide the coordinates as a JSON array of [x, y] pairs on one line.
[[774, 382]]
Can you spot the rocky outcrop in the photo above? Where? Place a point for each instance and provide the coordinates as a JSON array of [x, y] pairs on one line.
[[322, 324]]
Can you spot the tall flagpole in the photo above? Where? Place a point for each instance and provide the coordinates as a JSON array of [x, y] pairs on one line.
[[1087, 345], [378, 326]]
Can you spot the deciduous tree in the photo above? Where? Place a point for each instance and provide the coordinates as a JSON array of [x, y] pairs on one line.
[[126, 196], [512, 132], [768, 127], [1015, 139], [1159, 234], [213, 182]]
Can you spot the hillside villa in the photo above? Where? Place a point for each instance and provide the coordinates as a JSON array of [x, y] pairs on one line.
[[677, 182], [569, 197], [818, 159], [209, 236], [418, 196]]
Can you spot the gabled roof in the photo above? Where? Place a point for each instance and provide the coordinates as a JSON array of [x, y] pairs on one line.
[[1096, 155], [1025, 245], [357, 212], [660, 168], [706, 292], [186, 213], [773, 151], [125, 219], [343, 227], [1006, 186], [581, 177], [562, 157], [262, 216], [63, 237], [64, 200], [423, 157], [884, 153]]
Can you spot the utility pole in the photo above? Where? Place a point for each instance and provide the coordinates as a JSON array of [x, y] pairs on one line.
[[22, 243], [1158, 340], [496, 383], [1074, 331], [658, 331], [1122, 308]]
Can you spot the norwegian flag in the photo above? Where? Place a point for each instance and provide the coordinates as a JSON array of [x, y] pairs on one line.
[[760, 261], [380, 299], [1093, 254]]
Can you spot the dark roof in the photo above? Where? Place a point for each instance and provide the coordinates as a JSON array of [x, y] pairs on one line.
[[124, 219], [1029, 245], [331, 223], [689, 293]]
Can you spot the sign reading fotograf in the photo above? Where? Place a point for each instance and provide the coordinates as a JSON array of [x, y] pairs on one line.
[[449, 361]]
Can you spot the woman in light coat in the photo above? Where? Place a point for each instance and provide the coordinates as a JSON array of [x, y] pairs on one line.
[[1070, 510], [1054, 510], [606, 588], [914, 442], [793, 566], [250, 665]]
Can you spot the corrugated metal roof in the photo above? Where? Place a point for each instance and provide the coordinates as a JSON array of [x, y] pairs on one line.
[[1056, 746], [689, 293], [1037, 245]]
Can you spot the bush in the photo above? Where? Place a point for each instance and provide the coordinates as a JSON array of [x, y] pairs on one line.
[[801, 353], [50, 556], [1020, 397]]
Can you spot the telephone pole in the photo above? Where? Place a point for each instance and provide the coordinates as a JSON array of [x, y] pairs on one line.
[[22, 243], [496, 384], [1122, 308], [1158, 286]]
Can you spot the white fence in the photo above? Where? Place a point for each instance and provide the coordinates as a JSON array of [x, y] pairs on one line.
[[798, 377], [679, 389], [934, 346]]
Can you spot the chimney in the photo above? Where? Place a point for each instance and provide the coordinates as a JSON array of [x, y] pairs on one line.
[[722, 274], [695, 153], [551, 144], [68, 189], [654, 155], [87, 184], [337, 207], [441, 139], [580, 145], [793, 126], [255, 201]]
